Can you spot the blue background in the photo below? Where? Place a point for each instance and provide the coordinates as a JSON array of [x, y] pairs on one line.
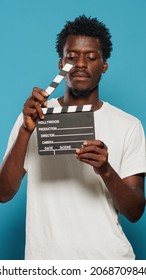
[[28, 58]]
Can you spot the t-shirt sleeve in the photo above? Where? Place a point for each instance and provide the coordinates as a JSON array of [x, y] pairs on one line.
[[14, 133], [134, 156]]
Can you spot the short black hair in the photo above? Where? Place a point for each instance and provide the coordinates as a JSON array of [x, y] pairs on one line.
[[87, 26]]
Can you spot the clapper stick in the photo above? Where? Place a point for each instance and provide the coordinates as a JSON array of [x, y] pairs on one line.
[[57, 80]]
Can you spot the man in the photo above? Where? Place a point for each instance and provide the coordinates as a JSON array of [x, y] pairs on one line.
[[73, 201]]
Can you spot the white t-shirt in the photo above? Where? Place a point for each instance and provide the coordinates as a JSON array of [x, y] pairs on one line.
[[70, 213]]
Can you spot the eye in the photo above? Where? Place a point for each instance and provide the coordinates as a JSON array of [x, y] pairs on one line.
[[72, 57], [91, 58]]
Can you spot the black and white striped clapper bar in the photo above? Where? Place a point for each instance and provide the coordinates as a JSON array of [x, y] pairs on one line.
[[64, 129]]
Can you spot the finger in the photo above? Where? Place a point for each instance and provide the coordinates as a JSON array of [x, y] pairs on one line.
[[33, 109], [89, 156], [97, 143], [92, 156], [96, 161], [28, 111], [36, 97], [40, 96], [39, 111], [89, 149], [41, 91], [93, 163], [101, 144]]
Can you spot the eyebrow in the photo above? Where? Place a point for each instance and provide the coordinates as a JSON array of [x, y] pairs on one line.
[[88, 51]]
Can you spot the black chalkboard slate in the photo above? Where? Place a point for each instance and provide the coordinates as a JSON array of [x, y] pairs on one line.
[[63, 132]]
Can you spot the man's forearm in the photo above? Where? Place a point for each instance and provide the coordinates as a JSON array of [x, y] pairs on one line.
[[127, 194], [12, 170]]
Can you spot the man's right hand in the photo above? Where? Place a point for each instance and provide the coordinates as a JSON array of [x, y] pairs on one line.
[[12, 169], [32, 108]]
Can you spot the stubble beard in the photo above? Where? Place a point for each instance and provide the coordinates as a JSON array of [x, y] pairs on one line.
[[80, 93]]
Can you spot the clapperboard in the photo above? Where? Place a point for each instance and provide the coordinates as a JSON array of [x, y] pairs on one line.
[[64, 129]]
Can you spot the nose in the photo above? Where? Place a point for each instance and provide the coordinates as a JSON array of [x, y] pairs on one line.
[[81, 62]]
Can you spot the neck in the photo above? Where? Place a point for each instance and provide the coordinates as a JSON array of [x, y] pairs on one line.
[[70, 100]]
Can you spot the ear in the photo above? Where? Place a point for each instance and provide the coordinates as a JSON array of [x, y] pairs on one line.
[[104, 67], [60, 65]]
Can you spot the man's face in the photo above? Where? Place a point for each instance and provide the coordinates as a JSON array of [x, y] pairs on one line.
[[86, 55]]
